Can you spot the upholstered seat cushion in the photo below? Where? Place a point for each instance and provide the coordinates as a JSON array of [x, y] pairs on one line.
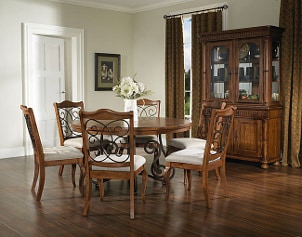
[[192, 156], [76, 142], [188, 156], [138, 162], [61, 153], [186, 142]]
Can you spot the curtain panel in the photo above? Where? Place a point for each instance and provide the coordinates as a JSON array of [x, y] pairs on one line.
[[174, 68], [201, 23], [291, 84]]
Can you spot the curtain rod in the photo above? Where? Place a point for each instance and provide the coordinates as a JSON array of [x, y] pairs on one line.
[[224, 7]]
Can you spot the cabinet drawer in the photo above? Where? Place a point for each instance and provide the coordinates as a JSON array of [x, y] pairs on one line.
[[251, 113]]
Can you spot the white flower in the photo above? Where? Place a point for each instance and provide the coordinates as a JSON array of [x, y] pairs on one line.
[[130, 89]]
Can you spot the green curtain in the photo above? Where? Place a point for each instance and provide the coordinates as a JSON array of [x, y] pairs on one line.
[[291, 80], [174, 68], [201, 23]]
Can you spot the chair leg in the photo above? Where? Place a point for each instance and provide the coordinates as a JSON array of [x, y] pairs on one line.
[[101, 188], [132, 198], [82, 178], [88, 196], [205, 187], [61, 170], [189, 178], [41, 184], [224, 182], [144, 185], [217, 174], [185, 176], [166, 175], [73, 169], [35, 178]]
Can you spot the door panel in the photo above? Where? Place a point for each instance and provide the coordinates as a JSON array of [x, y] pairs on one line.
[[247, 138], [47, 84]]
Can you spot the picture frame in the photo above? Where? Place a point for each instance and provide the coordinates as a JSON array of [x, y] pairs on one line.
[[107, 71]]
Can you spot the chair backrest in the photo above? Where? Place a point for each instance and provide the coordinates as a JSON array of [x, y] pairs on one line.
[[33, 133], [148, 108], [219, 134], [109, 128], [205, 116], [66, 112]]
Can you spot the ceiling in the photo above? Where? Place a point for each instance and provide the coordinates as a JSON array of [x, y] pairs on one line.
[[130, 6]]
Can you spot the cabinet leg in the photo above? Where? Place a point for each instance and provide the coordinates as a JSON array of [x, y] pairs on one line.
[[277, 163], [264, 166]]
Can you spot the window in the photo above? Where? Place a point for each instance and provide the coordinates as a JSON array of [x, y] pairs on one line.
[[187, 54]]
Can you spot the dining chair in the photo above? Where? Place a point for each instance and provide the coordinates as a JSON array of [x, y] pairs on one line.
[[180, 143], [149, 108], [66, 112], [111, 159], [212, 156], [54, 156]]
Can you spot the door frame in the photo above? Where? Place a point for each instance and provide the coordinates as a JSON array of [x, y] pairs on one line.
[[76, 36]]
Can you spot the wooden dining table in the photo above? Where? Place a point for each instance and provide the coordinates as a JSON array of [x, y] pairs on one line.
[[157, 127]]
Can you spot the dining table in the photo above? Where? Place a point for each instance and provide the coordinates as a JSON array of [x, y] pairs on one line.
[[156, 126]]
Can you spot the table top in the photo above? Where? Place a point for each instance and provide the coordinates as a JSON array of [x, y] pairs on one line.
[[154, 126], [161, 125]]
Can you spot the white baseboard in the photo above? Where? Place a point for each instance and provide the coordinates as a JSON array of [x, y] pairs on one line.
[[12, 152]]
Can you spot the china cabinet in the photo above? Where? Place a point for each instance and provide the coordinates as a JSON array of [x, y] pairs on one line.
[[242, 68]]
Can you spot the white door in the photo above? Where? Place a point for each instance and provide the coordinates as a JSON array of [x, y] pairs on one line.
[[47, 84]]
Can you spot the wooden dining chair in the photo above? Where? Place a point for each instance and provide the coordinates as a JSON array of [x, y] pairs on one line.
[[54, 156], [111, 159], [66, 112], [180, 143], [212, 156]]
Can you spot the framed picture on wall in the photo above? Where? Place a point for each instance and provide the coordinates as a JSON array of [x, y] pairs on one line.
[[107, 71]]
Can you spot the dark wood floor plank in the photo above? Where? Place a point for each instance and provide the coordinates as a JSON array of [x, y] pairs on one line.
[[261, 203]]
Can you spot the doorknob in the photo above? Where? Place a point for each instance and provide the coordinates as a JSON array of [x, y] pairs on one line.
[[63, 92]]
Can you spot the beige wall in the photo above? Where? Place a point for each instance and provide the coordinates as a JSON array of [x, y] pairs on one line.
[[139, 38]]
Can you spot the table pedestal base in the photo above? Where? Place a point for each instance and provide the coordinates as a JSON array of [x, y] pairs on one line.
[[156, 148]]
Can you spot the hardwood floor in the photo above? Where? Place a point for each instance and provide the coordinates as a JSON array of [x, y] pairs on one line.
[[261, 203]]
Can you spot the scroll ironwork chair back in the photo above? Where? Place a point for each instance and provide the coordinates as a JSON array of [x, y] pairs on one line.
[[111, 159], [148, 108], [53, 156], [67, 112], [205, 159]]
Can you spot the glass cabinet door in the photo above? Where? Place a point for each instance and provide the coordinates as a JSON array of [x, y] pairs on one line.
[[275, 71], [219, 74], [248, 72]]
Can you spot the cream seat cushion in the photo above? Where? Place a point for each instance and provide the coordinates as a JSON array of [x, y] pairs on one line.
[[139, 161], [192, 156], [61, 153], [187, 142], [76, 142]]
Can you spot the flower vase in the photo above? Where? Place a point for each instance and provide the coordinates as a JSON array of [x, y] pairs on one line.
[[131, 105]]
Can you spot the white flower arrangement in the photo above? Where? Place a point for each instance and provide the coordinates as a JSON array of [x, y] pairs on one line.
[[128, 88]]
